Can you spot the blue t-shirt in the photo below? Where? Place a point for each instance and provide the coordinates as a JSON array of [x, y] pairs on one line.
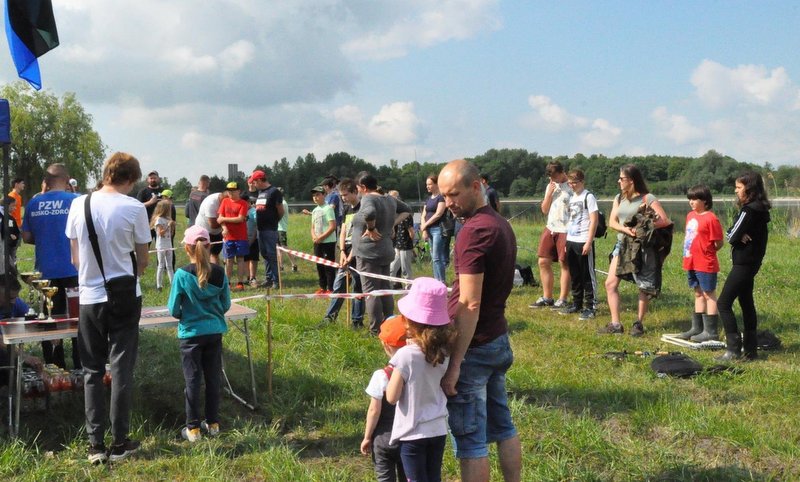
[[335, 201], [19, 310], [46, 218]]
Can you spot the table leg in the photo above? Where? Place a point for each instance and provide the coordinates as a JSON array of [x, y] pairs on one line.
[[250, 362]]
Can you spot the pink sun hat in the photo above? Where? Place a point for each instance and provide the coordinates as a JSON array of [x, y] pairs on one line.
[[426, 302]]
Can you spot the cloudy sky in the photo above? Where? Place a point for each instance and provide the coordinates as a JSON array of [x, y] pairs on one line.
[[189, 86]]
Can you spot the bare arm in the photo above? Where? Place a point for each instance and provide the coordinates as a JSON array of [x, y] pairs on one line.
[[280, 210], [663, 220], [395, 387], [615, 223], [73, 249], [593, 217], [373, 413], [548, 197], [142, 258], [27, 236], [440, 207], [469, 307]]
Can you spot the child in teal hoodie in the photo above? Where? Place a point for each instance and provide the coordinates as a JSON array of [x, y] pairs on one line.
[[199, 299]]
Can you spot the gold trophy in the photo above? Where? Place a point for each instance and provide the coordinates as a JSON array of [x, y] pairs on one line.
[[49, 292], [39, 284], [29, 277]]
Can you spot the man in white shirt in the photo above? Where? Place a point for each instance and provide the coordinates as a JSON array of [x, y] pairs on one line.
[[105, 332], [207, 219], [553, 243]]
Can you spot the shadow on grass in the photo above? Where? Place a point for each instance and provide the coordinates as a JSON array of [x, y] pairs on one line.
[[695, 473], [600, 404]]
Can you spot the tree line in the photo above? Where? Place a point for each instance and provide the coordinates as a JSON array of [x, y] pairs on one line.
[[46, 129], [517, 173]]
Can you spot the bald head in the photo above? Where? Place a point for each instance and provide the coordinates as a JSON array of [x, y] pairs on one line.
[[460, 184]]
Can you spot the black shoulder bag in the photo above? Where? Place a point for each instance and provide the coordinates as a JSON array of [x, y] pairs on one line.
[[121, 290]]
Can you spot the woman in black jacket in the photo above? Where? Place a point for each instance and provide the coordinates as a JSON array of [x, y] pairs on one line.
[[748, 239]]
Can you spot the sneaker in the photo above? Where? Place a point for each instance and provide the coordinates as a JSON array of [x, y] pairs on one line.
[[123, 450], [570, 309], [637, 329], [321, 291], [294, 269], [611, 329], [541, 303], [239, 286], [97, 454], [253, 283], [266, 284], [191, 434], [559, 303], [212, 429], [326, 321], [586, 314]]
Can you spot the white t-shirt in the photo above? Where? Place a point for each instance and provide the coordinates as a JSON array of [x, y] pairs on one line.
[[163, 242], [120, 222], [558, 216], [377, 384], [209, 208], [422, 409], [580, 206]]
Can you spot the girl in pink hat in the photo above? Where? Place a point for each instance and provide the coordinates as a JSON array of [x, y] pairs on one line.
[[420, 422]]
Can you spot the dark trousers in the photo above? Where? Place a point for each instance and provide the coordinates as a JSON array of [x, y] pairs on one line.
[[378, 307], [113, 337], [738, 284], [326, 274], [581, 273], [54, 352], [388, 464], [422, 459], [201, 357]]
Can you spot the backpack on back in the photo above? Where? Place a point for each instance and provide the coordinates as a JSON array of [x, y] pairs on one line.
[[602, 227]]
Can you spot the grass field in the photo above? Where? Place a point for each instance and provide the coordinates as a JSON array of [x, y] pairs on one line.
[[581, 416]]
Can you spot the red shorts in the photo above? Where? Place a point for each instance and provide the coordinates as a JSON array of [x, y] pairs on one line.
[[553, 246]]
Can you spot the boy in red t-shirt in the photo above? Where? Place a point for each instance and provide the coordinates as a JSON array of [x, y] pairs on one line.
[[233, 218], [703, 240]]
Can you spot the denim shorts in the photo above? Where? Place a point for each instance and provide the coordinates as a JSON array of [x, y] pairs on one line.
[[706, 281], [479, 413]]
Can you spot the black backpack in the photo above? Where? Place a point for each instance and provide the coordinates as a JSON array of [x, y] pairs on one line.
[[602, 227]]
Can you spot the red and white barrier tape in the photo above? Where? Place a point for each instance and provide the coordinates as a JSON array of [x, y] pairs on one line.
[[309, 257]]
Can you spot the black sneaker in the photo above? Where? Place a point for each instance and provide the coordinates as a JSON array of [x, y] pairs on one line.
[[294, 269], [586, 315], [123, 450], [266, 284], [637, 329], [541, 303], [97, 454], [611, 329], [570, 309]]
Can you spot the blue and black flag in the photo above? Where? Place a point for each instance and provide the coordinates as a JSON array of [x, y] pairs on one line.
[[31, 32]]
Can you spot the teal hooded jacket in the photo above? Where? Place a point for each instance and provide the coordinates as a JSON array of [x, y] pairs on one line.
[[200, 311]]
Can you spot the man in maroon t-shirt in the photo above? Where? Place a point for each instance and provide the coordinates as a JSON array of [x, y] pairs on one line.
[[485, 252]]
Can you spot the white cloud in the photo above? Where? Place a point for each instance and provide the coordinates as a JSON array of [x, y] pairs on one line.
[[719, 86], [602, 135], [419, 23], [678, 128], [396, 123], [552, 116]]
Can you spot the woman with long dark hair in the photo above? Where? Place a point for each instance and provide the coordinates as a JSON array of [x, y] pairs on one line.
[[748, 238], [633, 193]]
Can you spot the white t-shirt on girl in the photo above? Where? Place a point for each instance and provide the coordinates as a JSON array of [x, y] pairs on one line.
[[422, 407]]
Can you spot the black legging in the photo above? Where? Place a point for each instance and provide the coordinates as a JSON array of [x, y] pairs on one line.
[[739, 284]]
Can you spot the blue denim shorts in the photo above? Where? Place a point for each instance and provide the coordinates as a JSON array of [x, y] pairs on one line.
[[706, 281], [479, 413]]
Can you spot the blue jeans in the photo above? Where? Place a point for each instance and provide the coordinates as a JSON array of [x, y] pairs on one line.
[[422, 458], [440, 252], [357, 305], [479, 413], [267, 240]]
